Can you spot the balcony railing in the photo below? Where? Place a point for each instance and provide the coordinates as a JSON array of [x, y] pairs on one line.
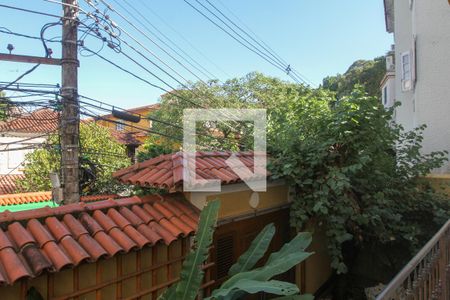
[[427, 275]]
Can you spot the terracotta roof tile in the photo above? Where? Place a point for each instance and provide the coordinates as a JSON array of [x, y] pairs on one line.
[[42, 120], [35, 197], [8, 183], [50, 239], [126, 138], [166, 171]]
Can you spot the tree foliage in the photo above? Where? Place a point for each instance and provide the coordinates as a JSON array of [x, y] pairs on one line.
[[4, 107], [100, 154], [356, 173], [252, 91], [365, 73], [155, 146]]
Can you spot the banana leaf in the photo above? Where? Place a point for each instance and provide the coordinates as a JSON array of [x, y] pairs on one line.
[[253, 286], [290, 254], [191, 275], [254, 253]]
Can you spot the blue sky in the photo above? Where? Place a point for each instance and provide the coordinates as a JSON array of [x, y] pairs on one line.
[[317, 37]]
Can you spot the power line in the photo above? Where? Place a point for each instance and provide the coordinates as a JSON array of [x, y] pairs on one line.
[[32, 11], [47, 54], [267, 54], [262, 44], [129, 125], [145, 57], [113, 106], [159, 39], [248, 46], [23, 140], [144, 3]]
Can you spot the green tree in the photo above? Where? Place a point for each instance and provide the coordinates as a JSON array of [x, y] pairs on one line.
[[4, 106], [356, 174], [155, 146], [353, 171], [101, 156], [367, 73], [251, 91]]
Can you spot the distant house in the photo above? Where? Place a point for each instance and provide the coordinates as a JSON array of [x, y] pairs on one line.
[[243, 212], [418, 68], [130, 134], [21, 135]]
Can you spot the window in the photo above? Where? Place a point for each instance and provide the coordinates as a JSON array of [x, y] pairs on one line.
[[385, 95], [15, 158], [120, 127], [406, 71], [150, 124], [225, 249]]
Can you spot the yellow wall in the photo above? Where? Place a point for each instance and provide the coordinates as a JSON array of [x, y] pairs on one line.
[[235, 204], [143, 123], [316, 270], [440, 182]]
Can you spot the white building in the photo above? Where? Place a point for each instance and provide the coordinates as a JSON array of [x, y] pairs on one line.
[[419, 68], [20, 136]]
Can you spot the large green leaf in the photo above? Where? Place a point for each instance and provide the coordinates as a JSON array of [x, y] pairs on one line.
[[275, 287], [290, 254], [191, 273], [254, 253], [299, 243], [168, 294]]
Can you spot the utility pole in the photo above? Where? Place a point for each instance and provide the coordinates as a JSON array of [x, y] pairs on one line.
[[70, 115]]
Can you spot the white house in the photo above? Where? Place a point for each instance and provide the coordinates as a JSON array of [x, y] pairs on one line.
[[418, 68], [20, 135]]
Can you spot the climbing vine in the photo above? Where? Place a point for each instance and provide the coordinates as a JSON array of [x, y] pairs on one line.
[[356, 174]]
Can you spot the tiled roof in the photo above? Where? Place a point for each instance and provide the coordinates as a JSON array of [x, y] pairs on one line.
[[39, 121], [51, 239], [136, 109], [8, 183], [25, 198], [166, 171], [126, 138]]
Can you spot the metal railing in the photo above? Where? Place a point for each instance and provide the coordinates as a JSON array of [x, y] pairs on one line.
[[427, 275]]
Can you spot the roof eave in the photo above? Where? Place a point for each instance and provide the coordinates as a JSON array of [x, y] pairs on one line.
[[389, 15]]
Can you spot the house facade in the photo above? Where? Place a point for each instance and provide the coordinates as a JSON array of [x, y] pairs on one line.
[[417, 69], [131, 136], [119, 125], [23, 134], [242, 215]]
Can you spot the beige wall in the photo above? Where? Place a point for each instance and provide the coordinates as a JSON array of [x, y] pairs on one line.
[[312, 274], [143, 123]]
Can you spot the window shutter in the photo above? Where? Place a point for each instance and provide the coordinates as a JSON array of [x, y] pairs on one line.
[[225, 255]]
